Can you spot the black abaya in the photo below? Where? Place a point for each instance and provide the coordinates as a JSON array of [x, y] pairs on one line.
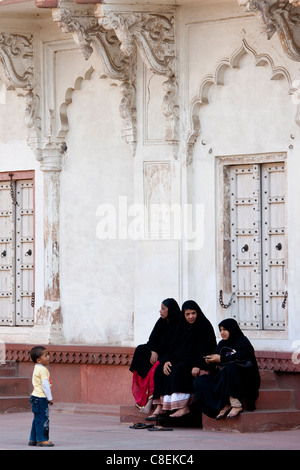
[[190, 344], [159, 339], [238, 376]]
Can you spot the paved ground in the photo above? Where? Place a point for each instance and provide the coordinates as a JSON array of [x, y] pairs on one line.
[[73, 431]]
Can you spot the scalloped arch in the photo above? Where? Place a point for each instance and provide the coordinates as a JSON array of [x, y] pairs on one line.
[[63, 110], [218, 79]]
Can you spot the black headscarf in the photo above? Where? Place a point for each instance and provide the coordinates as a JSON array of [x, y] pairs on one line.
[[234, 330], [192, 341], [173, 309], [159, 339], [164, 329], [244, 354]]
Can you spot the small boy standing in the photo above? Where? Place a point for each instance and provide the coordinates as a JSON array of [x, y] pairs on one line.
[[41, 398]]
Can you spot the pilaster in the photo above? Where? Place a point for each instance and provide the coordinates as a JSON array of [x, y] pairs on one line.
[[48, 322]]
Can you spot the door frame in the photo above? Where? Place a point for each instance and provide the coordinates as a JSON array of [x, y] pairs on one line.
[[223, 239]]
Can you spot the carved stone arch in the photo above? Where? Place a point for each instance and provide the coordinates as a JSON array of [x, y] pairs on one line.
[[63, 110], [217, 78], [127, 108]]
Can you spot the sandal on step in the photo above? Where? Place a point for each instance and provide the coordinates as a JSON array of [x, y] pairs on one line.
[[224, 412], [234, 412]]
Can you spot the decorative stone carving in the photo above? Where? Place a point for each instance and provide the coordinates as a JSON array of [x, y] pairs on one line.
[[281, 17], [151, 33], [170, 108], [86, 32], [128, 114], [16, 58]]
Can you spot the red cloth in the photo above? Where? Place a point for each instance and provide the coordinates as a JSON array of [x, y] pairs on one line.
[[142, 389]]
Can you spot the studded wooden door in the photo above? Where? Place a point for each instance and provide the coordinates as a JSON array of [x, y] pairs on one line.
[[17, 249], [257, 221]]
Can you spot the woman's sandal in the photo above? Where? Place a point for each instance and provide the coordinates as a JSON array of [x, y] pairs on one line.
[[224, 412], [159, 428], [234, 412], [141, 426]]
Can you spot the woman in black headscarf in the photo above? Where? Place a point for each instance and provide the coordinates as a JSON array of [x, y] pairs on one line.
[[146, 356], [237, 381], [173, 378]]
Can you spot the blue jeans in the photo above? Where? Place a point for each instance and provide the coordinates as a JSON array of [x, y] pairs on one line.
[[40, 423]]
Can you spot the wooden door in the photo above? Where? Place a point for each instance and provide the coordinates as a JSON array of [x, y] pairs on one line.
[[258, 247], [17, 251]]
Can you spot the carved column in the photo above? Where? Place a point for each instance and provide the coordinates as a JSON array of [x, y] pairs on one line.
[[48, 318]]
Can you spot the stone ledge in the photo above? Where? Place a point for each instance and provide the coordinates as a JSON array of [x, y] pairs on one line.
[[101, 355], [114, 355]]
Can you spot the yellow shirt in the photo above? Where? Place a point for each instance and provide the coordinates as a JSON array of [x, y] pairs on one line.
[[40, 373]]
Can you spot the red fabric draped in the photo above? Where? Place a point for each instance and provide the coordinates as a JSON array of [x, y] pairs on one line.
[[142, 389]]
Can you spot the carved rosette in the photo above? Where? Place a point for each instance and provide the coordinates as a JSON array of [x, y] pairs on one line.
[[278, 16]]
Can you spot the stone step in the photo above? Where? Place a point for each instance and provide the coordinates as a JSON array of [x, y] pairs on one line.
[[8, 369], [262, 419], [87, 408], [272, 399], [14, 386], [255, 421], [14, 404], [268, 379]]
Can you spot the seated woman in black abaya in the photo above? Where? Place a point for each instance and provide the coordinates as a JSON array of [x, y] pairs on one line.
[[236, 383], [173, 378], [146, 356]]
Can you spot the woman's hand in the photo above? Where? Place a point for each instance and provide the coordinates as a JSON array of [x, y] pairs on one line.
[[213, 358], [195, 371], [167, 368], [153, 358]]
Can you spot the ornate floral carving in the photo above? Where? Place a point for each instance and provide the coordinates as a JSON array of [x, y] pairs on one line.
[[278, 16], [16, 57], [152, 34]]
